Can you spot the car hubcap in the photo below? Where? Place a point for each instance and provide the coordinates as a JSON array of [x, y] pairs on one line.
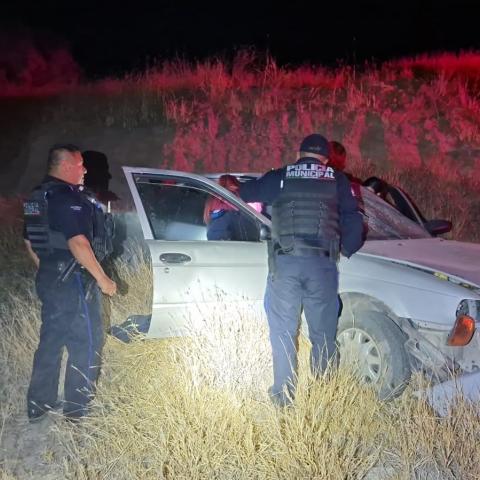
[[359, 351]]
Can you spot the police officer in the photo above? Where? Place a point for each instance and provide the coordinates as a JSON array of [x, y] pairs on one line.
[[314, 218], [67, 235]]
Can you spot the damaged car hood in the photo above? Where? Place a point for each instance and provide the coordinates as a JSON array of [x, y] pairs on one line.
[[459, 259]]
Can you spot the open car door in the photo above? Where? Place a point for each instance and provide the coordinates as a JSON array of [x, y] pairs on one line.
[[192, 276]]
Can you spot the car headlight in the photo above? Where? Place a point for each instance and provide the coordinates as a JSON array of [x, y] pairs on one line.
[[470, 308]]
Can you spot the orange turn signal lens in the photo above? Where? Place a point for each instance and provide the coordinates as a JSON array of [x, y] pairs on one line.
[[462, 332]]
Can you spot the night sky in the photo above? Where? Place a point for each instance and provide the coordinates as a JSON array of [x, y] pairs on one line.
[[112, 39]]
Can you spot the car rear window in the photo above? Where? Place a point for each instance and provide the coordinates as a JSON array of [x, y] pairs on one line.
[[385, 222]]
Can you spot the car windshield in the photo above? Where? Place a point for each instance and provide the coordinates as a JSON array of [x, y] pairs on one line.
[[385, 222]]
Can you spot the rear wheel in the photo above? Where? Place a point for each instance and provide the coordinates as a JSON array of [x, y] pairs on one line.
[[374, 347]]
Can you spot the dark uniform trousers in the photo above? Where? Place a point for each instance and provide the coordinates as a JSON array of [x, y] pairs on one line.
[[72, 321], [311, 282]]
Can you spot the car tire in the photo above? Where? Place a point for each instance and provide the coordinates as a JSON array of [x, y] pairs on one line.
[[375, 347]]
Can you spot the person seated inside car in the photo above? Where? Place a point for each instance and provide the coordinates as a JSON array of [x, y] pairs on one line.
[[224, 221]]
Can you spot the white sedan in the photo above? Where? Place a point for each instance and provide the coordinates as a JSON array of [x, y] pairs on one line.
[[409, 301]]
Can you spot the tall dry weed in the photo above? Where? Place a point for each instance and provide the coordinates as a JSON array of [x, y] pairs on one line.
[[166, 410], [180, 409], [197, 407], [133, 274]]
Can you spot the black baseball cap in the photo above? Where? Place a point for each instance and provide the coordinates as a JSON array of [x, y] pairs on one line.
[[315, 143]]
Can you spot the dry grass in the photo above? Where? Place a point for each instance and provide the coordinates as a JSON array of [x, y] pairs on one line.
[[135, 289], [165, 423], [197, 408]]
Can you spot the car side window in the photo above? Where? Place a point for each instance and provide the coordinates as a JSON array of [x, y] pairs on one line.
[[176, 211]]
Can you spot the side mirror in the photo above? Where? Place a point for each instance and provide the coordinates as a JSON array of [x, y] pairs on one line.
[[265, 233], [438, 227]]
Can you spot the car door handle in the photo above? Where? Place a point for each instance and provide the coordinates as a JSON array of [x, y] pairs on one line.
[[175, 258]]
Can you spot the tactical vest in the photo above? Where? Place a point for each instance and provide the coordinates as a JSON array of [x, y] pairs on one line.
[[305, 219], [45, 240]]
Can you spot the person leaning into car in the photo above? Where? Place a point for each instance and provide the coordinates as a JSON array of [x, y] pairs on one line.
[[314, 218], [67, 234]]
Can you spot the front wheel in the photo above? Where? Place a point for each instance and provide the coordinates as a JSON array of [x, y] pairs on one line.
[[373, 345]]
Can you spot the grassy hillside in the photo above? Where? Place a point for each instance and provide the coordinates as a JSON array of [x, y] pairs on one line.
[[413, 121], [197, 408]]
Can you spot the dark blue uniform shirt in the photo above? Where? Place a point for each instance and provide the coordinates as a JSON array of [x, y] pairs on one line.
[[266, 189]]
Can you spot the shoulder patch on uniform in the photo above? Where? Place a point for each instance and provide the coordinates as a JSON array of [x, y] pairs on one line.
[[31, 208]]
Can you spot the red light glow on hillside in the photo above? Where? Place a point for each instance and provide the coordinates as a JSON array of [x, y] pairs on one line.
[[414, 118]]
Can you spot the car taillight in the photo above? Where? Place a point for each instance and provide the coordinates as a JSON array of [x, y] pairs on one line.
[[462, 332]]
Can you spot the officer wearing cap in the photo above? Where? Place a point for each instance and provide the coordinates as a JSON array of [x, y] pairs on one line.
[[314, 219], [67, 235]]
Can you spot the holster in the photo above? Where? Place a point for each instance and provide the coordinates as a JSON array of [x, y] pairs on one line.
[[66, 271], [272, 258], [335, 250], [87, 280]]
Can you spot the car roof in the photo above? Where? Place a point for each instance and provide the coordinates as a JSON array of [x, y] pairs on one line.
[[242, 176]]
